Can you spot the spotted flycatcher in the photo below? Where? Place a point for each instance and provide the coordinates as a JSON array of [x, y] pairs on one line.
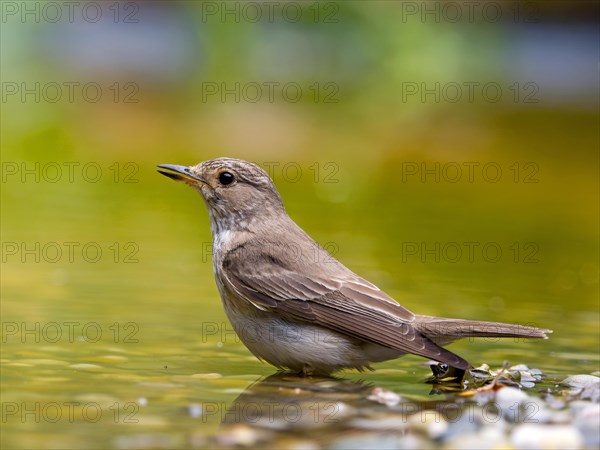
[[294, 305]]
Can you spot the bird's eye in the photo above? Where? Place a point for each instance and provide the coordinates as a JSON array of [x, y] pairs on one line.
[[226, 178]]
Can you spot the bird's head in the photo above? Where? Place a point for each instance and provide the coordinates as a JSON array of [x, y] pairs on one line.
[[236, 192]]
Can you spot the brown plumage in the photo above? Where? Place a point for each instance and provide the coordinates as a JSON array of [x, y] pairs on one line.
[[293, 304]]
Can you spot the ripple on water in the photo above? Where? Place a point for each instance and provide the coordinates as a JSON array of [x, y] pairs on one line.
[[110, 359], [43, 362], [85, 367], [103, 400]]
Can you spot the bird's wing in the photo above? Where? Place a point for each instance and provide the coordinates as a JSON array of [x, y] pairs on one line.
[[347, 304]]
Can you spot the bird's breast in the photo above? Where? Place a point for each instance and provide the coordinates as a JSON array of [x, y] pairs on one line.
[[222, 240]]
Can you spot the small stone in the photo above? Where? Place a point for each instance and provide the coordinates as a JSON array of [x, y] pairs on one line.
[[535, 410], [379, 423], [527, 377], [508, 401], [555, 402], [529, 436], [576, 406], [145, 441], [240, 435], [487, 438], [591, 392], [430, 421], [482, 398], [468, 421], [384, 397], [197, 439], [324, 413], [562, 417], [493, 436], [580, 381], [367, 441], [587, 421], [411, 442], [436, 429]]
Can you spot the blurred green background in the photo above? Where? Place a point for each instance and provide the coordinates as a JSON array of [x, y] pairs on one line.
[[396, 132]]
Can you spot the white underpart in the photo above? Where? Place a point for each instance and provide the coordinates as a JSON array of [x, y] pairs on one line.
[[222, 240]]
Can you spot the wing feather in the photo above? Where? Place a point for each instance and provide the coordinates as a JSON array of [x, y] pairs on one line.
[[337, 299]]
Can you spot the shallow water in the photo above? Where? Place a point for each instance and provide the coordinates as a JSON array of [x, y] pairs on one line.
[[113, 335], [132, 349]]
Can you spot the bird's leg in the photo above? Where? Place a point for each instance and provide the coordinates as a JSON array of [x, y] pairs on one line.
[[307, 370]]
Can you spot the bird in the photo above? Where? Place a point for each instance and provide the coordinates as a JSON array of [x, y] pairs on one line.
[[293, 304]]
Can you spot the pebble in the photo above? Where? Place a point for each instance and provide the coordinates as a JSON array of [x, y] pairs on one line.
[[544, 437], [241, 435], [563, 417], [580, 381], [494, 436], [591, 392], [537, 411], [576, 406], [145, 441], [587, 421], [488, 438], [508, 400], [527, 380], [431, 422], [373, 441], [468, 421], [197, 439], [384, 397], [379, 423]]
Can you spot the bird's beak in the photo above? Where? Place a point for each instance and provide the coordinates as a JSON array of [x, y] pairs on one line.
[[180, 173]]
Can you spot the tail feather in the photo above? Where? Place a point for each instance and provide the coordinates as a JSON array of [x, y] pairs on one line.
[[444, 330]]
